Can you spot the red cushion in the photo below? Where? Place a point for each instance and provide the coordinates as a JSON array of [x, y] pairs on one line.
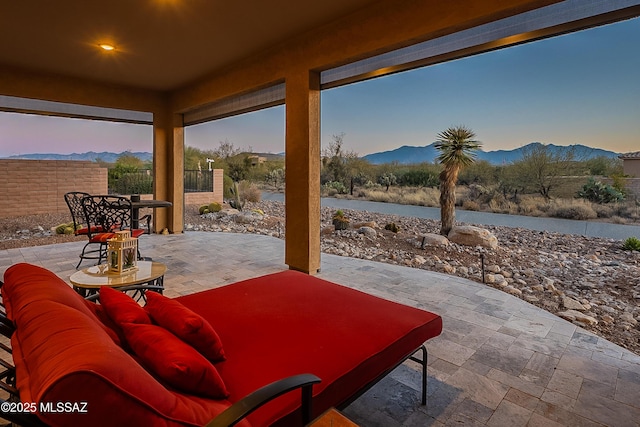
[[137, 232], [190, 327], [26, 284], [112, 329], [295, 323], [121, 308], [85, 230], [62, 356], [174, 362], [102, 237]]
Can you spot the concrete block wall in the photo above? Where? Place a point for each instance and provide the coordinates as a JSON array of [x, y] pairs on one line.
[[38, 186]]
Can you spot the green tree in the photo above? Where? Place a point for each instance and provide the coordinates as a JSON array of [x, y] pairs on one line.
[[604, 166], [196, 159], [122, 176], [338, 164], [542, 168], [457, 148], [226, 149], [480, 172]]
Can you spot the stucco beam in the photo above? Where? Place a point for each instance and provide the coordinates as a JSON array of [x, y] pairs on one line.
[[168, 169], [51, 87], [302, 162]]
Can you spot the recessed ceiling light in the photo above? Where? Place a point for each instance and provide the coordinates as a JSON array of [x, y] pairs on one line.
[[106, 46]]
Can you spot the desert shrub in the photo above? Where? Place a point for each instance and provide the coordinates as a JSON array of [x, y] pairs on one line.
[[578, 211], [204, 209], [418, 178], [387, 180], [603, 211], [631, 244], [65, 228], [618, 220], [227, 186], [417, 196], [619, 183], [477, 191], [214, 207], [470, 205], [630, 210], [392, 227], [337, 186], [431, 196], [328, 192], [531, 206], [249, 192], [380, 196], [598, 192], [498, 204]]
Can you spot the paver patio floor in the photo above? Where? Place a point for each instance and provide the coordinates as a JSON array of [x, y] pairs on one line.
[[499, 361]]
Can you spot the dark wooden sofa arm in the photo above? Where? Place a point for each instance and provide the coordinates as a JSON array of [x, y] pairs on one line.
[[236, 412]]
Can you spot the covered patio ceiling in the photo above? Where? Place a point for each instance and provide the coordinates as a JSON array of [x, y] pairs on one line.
[[161, 45], [185, 61]]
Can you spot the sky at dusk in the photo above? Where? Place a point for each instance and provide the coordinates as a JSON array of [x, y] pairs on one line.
[[580, 88]]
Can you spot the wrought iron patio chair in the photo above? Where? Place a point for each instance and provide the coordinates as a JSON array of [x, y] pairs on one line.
[[74, 202], [105, 214]]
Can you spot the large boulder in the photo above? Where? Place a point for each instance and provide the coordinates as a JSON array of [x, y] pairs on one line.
[[368, 231], [432, 239], [473, 236]]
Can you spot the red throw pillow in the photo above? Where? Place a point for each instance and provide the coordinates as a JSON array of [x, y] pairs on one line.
[[121, 308], [190, 327], [173, 361]]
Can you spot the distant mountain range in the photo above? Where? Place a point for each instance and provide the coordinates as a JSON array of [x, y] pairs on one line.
[[410, 154], [403, 155], [90, 156]]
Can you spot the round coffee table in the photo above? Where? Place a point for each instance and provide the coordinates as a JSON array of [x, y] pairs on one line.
[[88, 281]]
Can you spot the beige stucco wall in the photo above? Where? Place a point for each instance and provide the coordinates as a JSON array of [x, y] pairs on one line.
[[632, 185], [631, 167], [38, 186]]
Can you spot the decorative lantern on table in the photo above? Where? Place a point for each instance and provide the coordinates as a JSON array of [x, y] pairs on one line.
[[122, 253]]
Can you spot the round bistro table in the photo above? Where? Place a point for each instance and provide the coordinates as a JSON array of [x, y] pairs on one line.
[[87, 282]]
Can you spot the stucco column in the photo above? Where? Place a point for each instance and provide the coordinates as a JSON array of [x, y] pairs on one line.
[[302, 161], [168, 169]]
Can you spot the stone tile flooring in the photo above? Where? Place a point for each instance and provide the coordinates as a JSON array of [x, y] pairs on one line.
[[499, 361]]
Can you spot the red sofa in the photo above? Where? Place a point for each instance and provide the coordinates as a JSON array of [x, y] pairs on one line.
[[272, 328]]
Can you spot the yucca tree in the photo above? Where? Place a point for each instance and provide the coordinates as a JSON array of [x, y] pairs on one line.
[[457, 148]]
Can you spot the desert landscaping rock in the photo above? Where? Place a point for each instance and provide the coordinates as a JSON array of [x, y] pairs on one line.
[[433, 239], [550, 270], [571, 304], [368, 232], [469, 235], [578, 317]]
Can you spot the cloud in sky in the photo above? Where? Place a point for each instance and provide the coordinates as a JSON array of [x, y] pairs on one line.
[[580, 88]]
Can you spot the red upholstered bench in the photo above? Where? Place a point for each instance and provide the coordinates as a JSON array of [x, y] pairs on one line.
[[273, 328]]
